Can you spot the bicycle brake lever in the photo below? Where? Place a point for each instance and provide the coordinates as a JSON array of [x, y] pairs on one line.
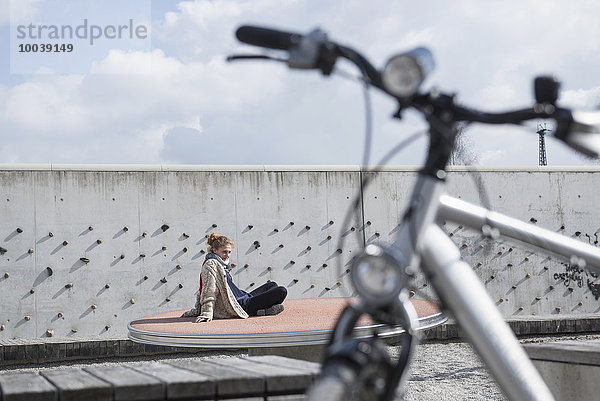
[[236, 57]]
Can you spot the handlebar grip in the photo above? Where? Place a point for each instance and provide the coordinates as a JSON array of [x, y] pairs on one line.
[[265, 37]]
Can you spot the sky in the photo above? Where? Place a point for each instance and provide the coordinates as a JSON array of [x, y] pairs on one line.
[[171, 98]]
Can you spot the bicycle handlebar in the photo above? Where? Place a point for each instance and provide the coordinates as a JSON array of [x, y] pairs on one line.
[[318, 52], [269, 38]]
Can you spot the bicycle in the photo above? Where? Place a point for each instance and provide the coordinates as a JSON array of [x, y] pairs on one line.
[[361, 368]]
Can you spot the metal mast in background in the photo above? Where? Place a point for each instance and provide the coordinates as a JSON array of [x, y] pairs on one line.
[[542, 145]]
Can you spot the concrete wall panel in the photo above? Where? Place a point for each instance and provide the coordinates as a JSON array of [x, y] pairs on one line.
[[102, 246]]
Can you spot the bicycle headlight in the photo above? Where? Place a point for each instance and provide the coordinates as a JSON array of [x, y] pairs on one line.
[[378, 275], [403, 74]]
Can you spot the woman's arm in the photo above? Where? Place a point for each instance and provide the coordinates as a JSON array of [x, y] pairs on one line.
[[205, 302]]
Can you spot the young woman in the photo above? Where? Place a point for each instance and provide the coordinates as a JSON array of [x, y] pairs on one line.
[[220, 298]]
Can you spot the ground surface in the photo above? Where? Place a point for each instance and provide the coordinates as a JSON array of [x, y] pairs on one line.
[[441, 370]]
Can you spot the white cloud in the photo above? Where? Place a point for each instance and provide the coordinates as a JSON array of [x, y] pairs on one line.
[[158, 106]]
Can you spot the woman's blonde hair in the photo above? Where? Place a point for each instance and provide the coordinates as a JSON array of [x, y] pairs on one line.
[[216, 241]]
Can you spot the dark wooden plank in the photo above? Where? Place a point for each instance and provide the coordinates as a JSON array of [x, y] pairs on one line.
[[230, 382], [585, 352], [180, 383], [277, 378], [288, 362], [129, 384], [26, 387], [75, 384], [295, 397]]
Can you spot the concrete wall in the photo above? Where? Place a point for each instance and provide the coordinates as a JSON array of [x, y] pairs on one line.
[[87, 249]]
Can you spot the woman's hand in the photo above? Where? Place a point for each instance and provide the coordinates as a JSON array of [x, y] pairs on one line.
[[202, 319]]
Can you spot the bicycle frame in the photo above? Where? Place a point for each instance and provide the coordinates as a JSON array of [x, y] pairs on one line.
[[424, 243], [420, 240]]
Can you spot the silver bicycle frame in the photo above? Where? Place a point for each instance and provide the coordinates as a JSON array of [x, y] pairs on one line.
[[426, 245]]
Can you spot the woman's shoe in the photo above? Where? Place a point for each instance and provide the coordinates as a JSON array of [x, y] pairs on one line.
[[270, 311]]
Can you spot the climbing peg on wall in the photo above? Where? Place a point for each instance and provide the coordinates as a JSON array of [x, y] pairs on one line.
[[185, 250], [324, 264], [142, 255], [167, 299], [328, 237], [339, 250], [352, 229], [31, 291], [499, 253], [3, 250], [312, 286], [19, 230], [132, 301], [49, 333], [292, 262], [185, 235], [281, 245], [246, 266], [533, 220], [50, 234], [479, 264], [180, 285], [411, 294], [307, 227], [30, 251], [538, 298], [91, 228], [107, 286], [528, 275], [145, 277], [28, 318], [269, 268], [125, 228], [308, 266], [291, 223], [164, 227], [377, 234], [122, 256], [233, 265], [98, 241], [94, 307], [308, 248], [276, 230], [65, 243], [330, 222], [2, 327], [69, 285], [179, 267], [256, 244], [144, 234], [369, 222], [49, 271], [250, 226], [526, 259], [164, 248], [163, 280], [295, 280], [521, 308], [84, 260], [202, 251], [558, 309], [214, 225]]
